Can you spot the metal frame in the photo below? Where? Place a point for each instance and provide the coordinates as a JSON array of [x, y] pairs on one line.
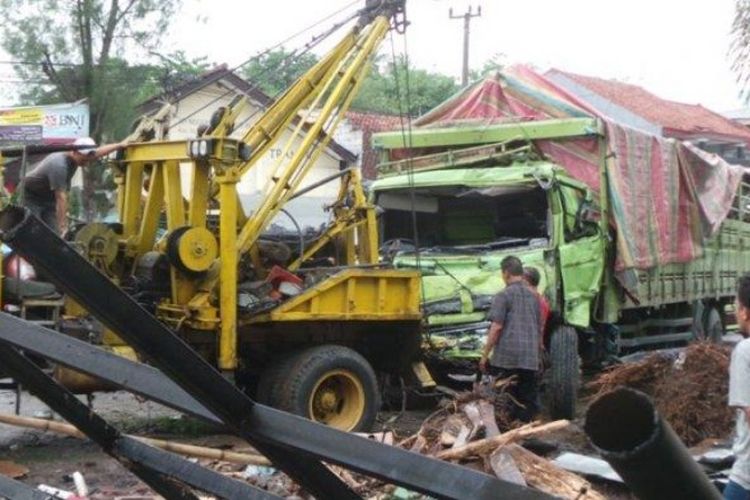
[[10, 488], [294, 444], [455, 136], [217, 163], [157, 468]]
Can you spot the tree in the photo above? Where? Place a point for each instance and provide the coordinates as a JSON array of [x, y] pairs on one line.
[[739, 49], [76, 44], [278, 69], [385, 89], [275, 71], [491, 66], [71, 49]]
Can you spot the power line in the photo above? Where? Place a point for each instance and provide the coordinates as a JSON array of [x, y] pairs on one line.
[[36, 63], [315, 41], [244, 63]]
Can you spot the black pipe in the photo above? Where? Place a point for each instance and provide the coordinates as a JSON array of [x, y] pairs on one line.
[[624, 426], [35, 149]]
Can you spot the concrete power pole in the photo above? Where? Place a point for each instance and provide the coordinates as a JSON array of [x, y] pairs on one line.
[[467, 21]]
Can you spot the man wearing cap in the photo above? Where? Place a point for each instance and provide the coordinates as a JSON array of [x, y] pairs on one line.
[[45, 188]]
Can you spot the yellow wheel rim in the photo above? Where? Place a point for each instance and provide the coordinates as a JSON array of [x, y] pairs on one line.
[[337, 400]]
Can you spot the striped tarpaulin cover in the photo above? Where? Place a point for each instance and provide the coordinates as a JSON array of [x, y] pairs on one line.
[[667, 196]]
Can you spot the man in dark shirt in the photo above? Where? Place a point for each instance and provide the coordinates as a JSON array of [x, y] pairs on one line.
[[513, 339], [46, 186]]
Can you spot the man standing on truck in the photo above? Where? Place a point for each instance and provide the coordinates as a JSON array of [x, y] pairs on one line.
[[513, 339], [739, 397], [45, 188]]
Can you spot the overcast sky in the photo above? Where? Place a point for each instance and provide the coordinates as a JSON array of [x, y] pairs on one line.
[[675, 48]]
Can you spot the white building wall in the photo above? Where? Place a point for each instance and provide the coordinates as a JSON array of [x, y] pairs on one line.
[[308, 209]]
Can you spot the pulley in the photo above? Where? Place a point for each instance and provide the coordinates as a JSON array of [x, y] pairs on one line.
[[98, 241], [192, 250]]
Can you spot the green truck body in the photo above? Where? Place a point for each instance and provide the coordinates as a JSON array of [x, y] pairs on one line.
[[473, 205]]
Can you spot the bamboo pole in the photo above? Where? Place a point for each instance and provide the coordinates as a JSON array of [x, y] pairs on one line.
[[180, 448]]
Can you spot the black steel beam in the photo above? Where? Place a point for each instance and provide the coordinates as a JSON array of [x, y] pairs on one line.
[[261, 426], [138, 378], [165, 472], [114, 308], [195, 475], [135, 377], [16, 490]]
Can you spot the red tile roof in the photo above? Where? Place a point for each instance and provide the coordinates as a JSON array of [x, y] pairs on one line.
[[370, 123], [374, 122], [679, 120]]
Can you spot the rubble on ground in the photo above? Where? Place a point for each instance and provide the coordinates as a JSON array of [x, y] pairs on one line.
[[471, 429], [689, 389]]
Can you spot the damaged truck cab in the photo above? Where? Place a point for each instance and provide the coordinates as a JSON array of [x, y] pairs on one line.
[[454, 202], [467, 221]]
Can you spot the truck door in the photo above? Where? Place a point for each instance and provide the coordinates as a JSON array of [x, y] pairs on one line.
[[581, 251]]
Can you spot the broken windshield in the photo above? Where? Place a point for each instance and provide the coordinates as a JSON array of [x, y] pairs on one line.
[[460, 219]]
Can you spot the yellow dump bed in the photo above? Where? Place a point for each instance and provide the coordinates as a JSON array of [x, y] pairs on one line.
[[354, 294]]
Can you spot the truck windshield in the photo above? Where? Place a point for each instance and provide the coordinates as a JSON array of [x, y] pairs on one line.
[[466, 219]]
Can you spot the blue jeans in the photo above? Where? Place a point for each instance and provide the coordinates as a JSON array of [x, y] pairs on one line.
[[734, 491]]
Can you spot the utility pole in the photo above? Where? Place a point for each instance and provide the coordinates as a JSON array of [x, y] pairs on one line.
[[467, 21]]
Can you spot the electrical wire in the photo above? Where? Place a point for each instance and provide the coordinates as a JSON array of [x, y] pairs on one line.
[[406, 137], [307, 47]]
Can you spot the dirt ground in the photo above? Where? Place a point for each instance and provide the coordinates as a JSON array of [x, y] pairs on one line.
[[52, 459]]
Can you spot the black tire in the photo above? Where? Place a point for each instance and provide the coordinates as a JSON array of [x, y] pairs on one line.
[[713, 326], [340, 368], [564, 374], [269, 383]]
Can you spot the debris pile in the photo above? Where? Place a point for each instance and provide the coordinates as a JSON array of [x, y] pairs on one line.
[[474, 430], [689, 389]]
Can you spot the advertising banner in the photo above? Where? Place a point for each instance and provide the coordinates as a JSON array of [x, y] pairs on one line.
[[52, 124]]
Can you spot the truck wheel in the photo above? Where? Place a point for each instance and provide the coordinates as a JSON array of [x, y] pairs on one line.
[[564, 374], [714, 326], [269, 384], [331, 385]]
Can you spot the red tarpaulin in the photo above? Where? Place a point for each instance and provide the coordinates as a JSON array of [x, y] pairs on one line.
[[667, 197]]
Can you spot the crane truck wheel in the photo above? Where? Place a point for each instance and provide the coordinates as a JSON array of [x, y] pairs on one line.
[[331, 385], [269, 383], [564, 374]]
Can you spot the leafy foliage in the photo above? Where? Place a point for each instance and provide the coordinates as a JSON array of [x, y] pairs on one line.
[[70, 50], [74, 49], [380, 91], [494, 64], [278, 69], [385, 89]]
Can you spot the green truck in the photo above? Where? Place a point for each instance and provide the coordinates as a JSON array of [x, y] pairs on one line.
[[478, 194]]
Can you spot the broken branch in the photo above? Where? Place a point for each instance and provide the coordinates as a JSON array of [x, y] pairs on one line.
[[486, 445]]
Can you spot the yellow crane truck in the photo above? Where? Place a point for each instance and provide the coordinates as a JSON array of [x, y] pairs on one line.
[[309, 340]]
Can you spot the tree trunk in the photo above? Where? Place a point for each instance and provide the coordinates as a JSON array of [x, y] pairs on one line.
[[544, 476]]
